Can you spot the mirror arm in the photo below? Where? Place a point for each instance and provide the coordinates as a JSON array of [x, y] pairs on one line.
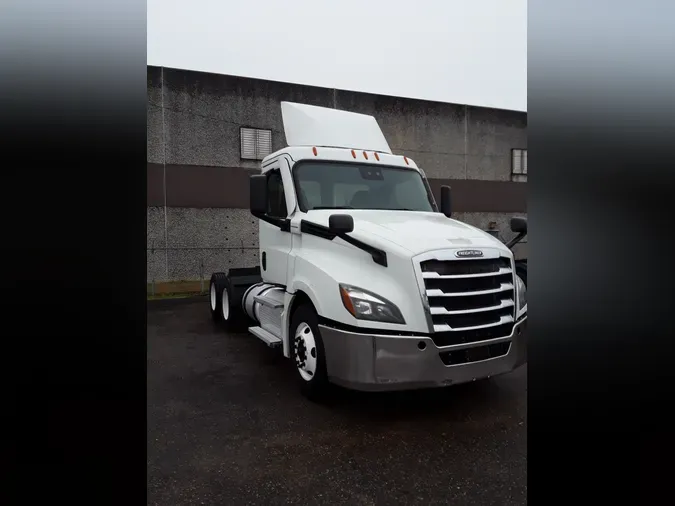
[[516, 240], [308, 227], [379, 256], [282, 223]]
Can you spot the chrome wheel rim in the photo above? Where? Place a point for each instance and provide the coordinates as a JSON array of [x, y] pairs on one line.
[[305, 351], [226, 305], [212, 293]]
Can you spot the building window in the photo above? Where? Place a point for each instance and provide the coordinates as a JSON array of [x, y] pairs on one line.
[[256, 143], [519, 165]]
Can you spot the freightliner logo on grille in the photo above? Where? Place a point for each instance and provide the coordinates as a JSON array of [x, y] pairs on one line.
[[468, 253]]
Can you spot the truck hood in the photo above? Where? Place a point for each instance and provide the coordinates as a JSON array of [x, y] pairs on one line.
[[416, 232]]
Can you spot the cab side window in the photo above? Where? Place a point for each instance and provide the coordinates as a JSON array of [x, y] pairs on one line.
[[276, 204]]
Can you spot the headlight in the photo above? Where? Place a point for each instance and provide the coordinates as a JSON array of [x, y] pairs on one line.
[[364, 305], [521, 293]]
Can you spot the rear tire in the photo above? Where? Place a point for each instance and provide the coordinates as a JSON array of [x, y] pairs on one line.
[[225, 309], [308, 353]]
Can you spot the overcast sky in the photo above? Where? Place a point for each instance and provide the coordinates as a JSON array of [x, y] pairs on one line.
[[462, 51]]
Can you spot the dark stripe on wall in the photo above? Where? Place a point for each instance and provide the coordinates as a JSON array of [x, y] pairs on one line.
[[227, 187], [198, 186], [155, 185], [478, 196]]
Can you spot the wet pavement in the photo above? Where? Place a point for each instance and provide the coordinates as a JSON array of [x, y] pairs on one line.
[[228, 426]]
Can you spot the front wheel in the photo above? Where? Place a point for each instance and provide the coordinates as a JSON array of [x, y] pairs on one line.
[[308, 353]]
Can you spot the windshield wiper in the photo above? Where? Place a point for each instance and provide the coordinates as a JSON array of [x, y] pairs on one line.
[[331, 207]]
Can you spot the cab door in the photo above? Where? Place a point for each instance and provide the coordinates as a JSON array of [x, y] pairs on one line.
[[275, 242]]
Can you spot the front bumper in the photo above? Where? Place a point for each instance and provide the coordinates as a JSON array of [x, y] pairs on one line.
[[374, 362]]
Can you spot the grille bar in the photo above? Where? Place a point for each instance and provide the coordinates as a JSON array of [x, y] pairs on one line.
[[436, 292], [436, 275], [444, 327], [472, 302], [459, 267], [443, 311], [467, 285], [442, 339]]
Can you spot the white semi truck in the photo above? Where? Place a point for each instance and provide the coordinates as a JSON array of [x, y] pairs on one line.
[[363, 281]]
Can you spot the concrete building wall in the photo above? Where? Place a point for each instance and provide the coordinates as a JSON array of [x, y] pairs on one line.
[[198, 220]]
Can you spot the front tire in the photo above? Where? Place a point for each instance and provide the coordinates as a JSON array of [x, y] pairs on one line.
[[308, 353]]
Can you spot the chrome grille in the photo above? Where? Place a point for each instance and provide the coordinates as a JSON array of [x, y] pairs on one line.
[[469, 300]]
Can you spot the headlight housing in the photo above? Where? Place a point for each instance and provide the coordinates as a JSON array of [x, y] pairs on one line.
[[521, 293], [365, 305]]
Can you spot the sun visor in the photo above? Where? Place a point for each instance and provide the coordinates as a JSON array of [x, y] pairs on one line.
[[309, 125]]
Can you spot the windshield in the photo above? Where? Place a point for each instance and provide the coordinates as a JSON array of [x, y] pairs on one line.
[[330, 185]]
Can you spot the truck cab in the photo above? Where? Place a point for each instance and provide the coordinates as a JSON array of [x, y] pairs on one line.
[[363, 281]]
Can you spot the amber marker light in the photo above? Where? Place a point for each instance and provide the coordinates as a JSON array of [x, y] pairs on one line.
[[347, 301]]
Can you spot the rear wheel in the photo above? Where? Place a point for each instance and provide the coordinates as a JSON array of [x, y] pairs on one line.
[[308, 353], [224, 307]]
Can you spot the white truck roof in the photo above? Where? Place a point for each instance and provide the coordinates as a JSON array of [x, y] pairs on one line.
[[310, 125]]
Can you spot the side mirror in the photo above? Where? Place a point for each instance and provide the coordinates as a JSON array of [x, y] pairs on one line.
[[340, 223], [258, 195], [446, 204], [519, 225]]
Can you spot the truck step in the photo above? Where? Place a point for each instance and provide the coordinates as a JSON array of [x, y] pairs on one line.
[[266, 337], [273, 299]]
